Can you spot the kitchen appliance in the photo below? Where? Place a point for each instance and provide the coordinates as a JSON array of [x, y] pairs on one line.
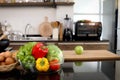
[[67, 33], [88, 30]]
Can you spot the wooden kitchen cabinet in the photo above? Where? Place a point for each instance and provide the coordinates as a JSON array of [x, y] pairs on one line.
[[69, 45], [96, 46], [87, 45]]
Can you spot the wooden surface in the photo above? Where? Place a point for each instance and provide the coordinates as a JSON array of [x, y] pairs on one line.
[[90, 55], [96, 45], [43, 4], [45, 28], [70, 45]]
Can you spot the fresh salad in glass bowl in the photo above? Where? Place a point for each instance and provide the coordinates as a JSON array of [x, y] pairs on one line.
[[38, 57]]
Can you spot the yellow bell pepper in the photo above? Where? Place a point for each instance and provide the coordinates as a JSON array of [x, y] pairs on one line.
[[42, 64]]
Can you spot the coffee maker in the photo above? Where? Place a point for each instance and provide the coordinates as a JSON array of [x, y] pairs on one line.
[[67, 32]]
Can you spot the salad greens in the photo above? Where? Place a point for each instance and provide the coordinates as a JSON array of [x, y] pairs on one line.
[[54, 52], [25, 55]]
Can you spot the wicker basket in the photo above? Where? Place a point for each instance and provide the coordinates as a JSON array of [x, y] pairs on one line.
[[7, 68]]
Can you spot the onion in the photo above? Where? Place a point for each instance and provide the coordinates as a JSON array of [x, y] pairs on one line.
[[7, 54], [2, 58], [9, 60]]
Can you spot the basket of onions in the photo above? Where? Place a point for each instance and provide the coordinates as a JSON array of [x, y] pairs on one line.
[[7, 61]]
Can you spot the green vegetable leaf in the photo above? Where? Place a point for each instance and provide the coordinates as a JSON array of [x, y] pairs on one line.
[[54, 52]]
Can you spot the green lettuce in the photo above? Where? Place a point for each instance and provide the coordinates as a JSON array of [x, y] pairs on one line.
[[54, 52]]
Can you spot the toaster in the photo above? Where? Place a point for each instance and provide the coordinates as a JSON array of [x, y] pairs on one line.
[[88, 30]]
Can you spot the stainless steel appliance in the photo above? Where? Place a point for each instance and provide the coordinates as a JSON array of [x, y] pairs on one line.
[[88, 31], [67, 33]]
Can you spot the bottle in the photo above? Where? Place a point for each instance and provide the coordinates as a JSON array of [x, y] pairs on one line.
[[55, 26]]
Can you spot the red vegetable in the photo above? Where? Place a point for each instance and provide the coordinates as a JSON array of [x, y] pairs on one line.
[[54, 65], [39, 50]]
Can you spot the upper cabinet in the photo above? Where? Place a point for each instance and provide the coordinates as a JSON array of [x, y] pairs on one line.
[[36, 4]]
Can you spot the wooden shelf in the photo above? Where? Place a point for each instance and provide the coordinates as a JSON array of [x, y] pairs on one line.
[[65, 3], [36, 4]]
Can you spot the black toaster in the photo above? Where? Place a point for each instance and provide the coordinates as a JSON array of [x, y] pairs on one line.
[[88, 30]]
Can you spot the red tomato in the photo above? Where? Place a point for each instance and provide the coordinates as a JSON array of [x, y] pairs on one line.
[[54, 65]]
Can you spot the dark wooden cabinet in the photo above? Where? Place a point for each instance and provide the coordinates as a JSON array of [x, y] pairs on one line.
[[99, 45], [86, 45]]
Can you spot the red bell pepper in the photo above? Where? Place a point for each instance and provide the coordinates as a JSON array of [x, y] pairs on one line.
[[54, 65], [39, 50]]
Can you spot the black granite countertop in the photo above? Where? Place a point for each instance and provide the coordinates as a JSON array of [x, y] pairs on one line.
[[66, 73], [51, 40]]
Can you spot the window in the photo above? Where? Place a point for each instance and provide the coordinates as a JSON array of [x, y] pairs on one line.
[[96, 10], [87, 9]]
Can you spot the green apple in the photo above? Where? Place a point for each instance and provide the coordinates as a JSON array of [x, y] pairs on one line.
[[78, 63], [78, 50]]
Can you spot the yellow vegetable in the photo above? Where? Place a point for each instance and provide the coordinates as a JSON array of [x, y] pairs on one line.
[[42, 64]]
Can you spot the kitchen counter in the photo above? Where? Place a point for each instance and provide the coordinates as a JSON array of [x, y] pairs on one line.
[[67, 45], [68, 73], [64, 74], [90, 55], [38, 39]]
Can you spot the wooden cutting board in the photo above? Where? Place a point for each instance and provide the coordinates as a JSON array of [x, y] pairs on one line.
[[45, 28], [90, 55]]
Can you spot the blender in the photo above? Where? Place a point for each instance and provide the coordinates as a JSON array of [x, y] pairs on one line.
[[67, 33]]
